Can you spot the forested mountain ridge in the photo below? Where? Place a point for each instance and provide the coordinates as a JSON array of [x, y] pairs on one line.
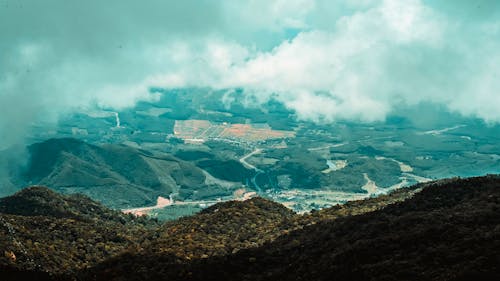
[[443, 230]]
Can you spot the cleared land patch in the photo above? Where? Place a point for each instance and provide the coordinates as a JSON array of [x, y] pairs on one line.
[[202, 130]]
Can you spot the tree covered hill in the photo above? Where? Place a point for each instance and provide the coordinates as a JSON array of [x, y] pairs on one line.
[[448, 231], [443, 230]]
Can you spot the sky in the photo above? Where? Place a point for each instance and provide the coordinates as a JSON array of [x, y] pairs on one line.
[[327, 60]]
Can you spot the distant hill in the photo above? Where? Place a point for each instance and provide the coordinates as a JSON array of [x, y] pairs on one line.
[[119, 176]]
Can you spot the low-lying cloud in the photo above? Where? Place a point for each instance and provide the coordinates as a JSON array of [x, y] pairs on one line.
[[326, 60], [397, 52]]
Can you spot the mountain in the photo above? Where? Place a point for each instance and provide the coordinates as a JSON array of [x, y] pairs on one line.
[[48, 235], [442, 230], [44, 232], [223, 229], [117, 175], [41, 201], [448, 231]]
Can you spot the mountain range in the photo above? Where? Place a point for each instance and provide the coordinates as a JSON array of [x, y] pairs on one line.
[[119, 176], [442, 230]]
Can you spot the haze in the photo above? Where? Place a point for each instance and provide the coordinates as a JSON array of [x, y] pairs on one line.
[[327, 60]]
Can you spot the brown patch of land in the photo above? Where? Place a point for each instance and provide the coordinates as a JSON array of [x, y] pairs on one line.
[[200, 130]]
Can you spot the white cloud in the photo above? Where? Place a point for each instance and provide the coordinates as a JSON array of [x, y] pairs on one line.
[[396, 52], [342, 70], [327, 60]]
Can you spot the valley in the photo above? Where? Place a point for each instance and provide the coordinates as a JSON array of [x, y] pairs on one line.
[[250, 140], [200, 151]]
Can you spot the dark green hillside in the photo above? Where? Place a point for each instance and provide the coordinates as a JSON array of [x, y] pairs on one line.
[[190, 155], [230, 170], [44, 156], [117, 175]]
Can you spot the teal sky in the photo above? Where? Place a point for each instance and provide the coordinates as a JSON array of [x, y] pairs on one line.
[[327, 60]]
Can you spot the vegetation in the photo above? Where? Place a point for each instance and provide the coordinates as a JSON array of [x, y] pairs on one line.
[[448, 231], [190, 155], [41, 201], [444, 230], [119, 176], [43, 231], [230, 170]]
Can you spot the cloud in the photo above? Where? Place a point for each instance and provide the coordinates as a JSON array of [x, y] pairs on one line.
[[59, 56], [327, 60], [393, 53]]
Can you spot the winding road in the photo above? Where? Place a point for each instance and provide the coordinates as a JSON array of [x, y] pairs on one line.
[[250, 166], [245, 157]]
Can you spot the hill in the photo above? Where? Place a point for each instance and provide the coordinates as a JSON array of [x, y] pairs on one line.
[[43, 232], [443, 230], [41, 201], [117, 175], [223, 229], [448, 231], [47, 234]]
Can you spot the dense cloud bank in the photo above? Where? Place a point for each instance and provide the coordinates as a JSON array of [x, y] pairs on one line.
[[327, 60]]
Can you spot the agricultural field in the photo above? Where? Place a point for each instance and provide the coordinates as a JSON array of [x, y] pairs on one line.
[[197, 131]]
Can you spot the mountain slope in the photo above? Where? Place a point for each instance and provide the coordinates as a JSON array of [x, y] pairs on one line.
[[42, 232], [41, 201], [223, 229], [448, 231], [444, 230], [116, 175]]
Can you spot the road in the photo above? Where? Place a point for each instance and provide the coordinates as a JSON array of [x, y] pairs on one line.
[[328, 146], [245, 157], [248, 165], [163, 202]]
